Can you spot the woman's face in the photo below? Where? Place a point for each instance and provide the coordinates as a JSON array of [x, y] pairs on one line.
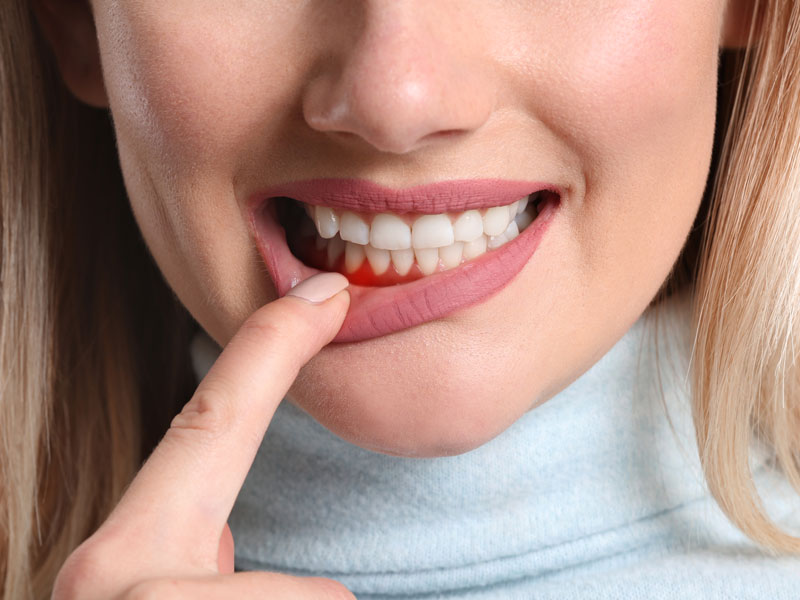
[[611, 103]]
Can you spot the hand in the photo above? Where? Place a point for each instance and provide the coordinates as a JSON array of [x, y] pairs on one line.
[[168, 536]]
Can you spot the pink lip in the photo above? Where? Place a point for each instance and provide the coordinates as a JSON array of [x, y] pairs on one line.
[[377, 311]]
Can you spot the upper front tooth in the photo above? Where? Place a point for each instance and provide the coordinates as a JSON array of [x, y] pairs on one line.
[[432, 231], [495, 220], [354, 229], [326, 221], [468, 227], [389, 232]]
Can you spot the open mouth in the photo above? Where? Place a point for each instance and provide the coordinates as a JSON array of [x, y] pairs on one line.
[[411, 255], [382, 249]]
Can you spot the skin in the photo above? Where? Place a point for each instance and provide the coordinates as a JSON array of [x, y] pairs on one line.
[[613, 99]]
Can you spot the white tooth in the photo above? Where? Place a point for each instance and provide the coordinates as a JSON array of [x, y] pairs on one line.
[[468, 227], [378, 259], [512, 209], [432, 231], [389, 232], [523, 204], [451, 255], [495, 220], [354, 229], [427, 259], [475, 248], [335, 249], [353, 257], [523, 220], [512, 231], [495, 241], [326, 220], [402, 259]]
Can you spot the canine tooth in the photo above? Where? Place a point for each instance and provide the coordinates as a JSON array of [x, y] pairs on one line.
[[427, 259], [335, 249], [475, 248], [495, 220], [512, 209], [353, 256], [354, 229], [524, 219], [326, 220], [403, 260], [468, 227], [378, 258], [451, 255], [523, 204], [389, 232], [432, 231]]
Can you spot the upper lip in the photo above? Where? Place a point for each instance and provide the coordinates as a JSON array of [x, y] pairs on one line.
[[365, 196]]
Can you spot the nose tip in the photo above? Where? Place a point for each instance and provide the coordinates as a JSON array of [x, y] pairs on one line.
[[398, 94]]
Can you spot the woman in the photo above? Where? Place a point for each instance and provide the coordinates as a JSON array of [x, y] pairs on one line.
[[232, 123]]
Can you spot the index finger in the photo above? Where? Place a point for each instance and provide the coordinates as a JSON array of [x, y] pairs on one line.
[[185, 491]]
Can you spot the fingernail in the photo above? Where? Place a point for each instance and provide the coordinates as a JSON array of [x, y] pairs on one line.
[[320, 287]]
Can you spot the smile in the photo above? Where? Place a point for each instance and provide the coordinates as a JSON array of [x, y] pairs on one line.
[[411, 255]]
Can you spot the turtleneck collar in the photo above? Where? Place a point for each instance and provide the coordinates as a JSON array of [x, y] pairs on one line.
[[594, 476]]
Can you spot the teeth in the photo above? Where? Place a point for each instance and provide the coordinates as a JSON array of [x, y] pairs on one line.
[[495, 220], [353, 257], [326, 221], [354, 229], [427, 259], [475, 248], [335, 249], [468, 227], [389, 232], [434, 242], [451, 255], [432, 231], [378, 258], [403, 260]]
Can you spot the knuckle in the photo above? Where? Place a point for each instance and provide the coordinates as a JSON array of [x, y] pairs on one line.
[[208, 414]]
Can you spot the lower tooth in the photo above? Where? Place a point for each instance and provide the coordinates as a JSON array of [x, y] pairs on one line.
[[451, 255], [496, 241], [512, 231], [427, 259], [335, 249], [378, 259], [403, 260], [524, 219], [475, 248], [353, 257]]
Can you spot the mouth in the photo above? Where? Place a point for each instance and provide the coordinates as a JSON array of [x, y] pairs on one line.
[[411, 255]]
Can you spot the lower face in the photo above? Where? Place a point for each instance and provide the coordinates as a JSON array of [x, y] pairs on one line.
[[229, 136]]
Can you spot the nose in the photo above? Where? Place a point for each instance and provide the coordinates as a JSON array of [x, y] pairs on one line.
[[410, 77]]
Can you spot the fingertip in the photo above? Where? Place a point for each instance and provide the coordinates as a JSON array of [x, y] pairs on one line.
[[319, 288]]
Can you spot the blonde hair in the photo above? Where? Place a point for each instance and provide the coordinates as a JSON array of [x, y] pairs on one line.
[[93, 359]]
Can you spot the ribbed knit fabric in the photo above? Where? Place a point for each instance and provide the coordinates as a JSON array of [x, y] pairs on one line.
[[590, 495]]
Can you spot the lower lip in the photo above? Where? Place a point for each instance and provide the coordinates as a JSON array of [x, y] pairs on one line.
[[378, 311]]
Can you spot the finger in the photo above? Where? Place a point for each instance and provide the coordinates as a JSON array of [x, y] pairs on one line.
[[242, 586], [225, 561], [185, 491]]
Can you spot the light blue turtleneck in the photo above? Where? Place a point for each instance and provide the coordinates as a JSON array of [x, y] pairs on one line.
[[590, 495]]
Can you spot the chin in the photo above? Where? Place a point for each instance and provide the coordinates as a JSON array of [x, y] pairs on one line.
[[420, 413]]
